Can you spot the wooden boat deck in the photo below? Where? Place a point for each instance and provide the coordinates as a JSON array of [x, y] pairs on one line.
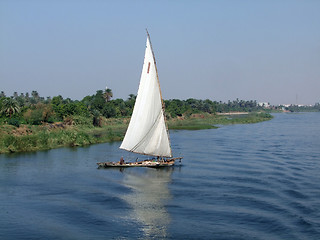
[[145, 163]]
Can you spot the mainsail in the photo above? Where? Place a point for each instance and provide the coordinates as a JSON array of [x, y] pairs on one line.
[[147, 133]]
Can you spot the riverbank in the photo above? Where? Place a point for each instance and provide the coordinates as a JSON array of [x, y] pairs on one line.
[[208, 121], [28, 138]]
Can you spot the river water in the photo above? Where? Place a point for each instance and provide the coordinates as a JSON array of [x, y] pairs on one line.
[[255, 181]]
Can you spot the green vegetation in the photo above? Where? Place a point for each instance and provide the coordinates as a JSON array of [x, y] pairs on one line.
[[41, 137], [207, 121], [30, 123], [297, 108]]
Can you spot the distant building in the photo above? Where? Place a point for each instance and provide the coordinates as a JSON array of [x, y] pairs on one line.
[[286, 105], [264, 104]]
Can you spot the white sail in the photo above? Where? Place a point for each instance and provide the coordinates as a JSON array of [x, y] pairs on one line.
[[147, 132]]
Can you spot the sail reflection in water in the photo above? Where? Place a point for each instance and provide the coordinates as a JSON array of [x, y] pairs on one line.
[[148, 198]]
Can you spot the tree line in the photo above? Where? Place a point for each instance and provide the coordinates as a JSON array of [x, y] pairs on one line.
[[35, 110]]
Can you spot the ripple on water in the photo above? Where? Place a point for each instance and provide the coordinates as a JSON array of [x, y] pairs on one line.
[[254, 181]]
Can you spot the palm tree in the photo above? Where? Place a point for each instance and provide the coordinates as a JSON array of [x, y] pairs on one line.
[[35, 94], [132, 97], [10, 106], [107, 95], [35, 97]]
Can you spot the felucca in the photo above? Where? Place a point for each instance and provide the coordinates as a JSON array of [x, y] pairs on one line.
[[147, 132]]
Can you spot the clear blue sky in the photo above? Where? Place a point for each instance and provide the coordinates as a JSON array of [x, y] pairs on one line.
[[267, 50]]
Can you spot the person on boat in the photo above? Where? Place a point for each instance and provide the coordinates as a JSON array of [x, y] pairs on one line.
[[121, 161]]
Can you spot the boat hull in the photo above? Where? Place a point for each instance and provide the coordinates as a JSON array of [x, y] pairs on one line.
[[145, 163]]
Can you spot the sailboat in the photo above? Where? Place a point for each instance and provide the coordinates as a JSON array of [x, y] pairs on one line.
[[147, 132]]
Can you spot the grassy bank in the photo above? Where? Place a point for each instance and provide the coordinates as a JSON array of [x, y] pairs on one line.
[[28, 138], [33, 138], [207, 121]]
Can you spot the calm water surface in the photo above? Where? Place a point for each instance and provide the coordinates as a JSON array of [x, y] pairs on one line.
[[256, 181]]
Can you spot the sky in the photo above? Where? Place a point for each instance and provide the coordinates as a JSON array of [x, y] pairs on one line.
[[266, 50]]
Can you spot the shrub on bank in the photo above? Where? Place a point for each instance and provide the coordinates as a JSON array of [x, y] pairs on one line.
[[14, 122]]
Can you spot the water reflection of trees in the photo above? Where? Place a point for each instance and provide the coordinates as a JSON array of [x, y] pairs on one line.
[[148, 198]]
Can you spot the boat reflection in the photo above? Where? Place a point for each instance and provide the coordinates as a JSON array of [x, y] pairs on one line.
[[148, 198]]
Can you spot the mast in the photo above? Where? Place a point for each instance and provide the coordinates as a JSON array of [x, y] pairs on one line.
[[162, 102]]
